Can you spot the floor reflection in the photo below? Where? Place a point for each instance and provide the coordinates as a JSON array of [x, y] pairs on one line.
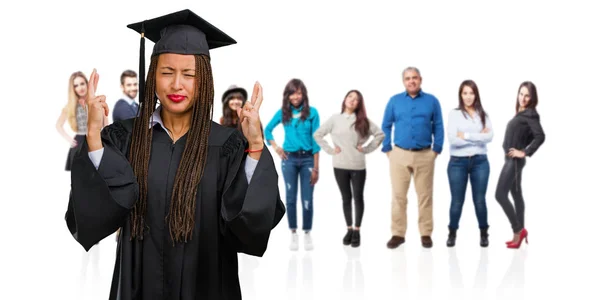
[[513, 283], [353, 281]]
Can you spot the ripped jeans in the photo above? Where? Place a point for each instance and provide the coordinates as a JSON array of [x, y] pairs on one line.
[[298, 165]]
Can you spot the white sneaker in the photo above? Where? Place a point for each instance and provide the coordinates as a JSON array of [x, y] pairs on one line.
[[308, 244], [294, 243]]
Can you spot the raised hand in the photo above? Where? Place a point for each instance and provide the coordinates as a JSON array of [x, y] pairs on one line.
[[97, 112], [250, 119], [97, 107]]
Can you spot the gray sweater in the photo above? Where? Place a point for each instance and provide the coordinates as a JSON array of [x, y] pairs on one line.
[[343, 135]]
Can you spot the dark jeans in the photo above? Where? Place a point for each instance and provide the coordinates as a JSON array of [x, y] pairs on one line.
[[298, 165], [351, 182], [510, 181], [460, 170]]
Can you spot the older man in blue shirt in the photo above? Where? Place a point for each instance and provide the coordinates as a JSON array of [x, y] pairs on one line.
[[417, 140]]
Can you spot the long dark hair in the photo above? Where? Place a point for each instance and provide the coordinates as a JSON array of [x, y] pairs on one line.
[[361, 125], [181, 215], [476, 103], [230, 117], [533, 96], [290, 88]]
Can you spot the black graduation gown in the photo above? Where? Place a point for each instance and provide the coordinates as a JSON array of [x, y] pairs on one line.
[[231, 215]]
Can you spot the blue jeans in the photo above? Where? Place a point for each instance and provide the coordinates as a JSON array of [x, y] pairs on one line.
[[460, 170], [298, 165]]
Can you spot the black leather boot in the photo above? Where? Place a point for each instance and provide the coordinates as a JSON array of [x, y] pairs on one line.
[[451, 238], [355, 238], [348, 237], [484, 238]]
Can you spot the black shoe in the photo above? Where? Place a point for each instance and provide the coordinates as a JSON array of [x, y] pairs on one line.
[[484, 238], [451, 238], [348, 237], [355, 238]]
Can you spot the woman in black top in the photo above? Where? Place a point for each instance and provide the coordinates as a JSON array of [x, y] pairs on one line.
[[524, 135]]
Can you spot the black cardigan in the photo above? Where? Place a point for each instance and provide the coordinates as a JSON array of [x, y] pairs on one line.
[[524, 132]]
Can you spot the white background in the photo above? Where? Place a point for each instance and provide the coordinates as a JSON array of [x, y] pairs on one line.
[[332, 47]]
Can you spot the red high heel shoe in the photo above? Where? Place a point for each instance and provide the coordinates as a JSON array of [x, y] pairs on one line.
[[522, 235]]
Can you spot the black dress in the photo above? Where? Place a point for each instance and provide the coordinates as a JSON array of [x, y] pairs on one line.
[[79, 138], [81, 117], [231, 215]]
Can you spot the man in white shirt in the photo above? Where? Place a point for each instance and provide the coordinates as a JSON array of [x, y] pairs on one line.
[[126, 107]]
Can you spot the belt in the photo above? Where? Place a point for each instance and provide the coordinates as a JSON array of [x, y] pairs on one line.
[[414, 149], [300, 152]]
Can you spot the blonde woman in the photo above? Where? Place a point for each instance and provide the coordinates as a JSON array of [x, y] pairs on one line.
[[75, 113]]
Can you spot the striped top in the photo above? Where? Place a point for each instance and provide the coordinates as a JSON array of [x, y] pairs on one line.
[[81, 117]]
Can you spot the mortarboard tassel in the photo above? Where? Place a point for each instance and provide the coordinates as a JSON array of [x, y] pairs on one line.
[[142, 80]]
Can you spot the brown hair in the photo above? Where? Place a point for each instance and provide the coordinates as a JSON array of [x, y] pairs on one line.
[[127, 73], [361, 125], [476, 103], [181, 215], [533, 96], [230, 117], [290, 89]]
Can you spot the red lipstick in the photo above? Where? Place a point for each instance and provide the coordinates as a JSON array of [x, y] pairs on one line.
[[176, 98]]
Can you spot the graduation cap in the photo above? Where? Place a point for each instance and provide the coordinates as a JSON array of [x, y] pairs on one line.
[[182, 32]]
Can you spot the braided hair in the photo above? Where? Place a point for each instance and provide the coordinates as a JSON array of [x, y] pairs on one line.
[[181, 216]]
